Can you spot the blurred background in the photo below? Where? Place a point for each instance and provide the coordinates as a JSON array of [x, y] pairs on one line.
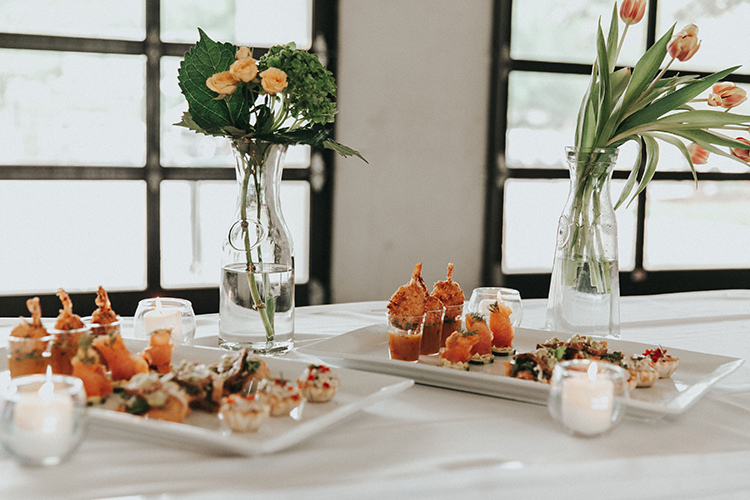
[[463, 110]]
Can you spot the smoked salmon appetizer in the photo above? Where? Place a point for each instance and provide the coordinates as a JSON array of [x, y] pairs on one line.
[[501, 328], [481, 352], [87, 366], [457, 351], [121, 362], [158, 354]]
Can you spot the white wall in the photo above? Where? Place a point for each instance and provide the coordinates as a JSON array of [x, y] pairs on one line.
[[413, 79]]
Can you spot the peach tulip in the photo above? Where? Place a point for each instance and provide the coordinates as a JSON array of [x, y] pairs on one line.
[[727, 95], [631, 11], [742, 154], [698, 154], [684, 44]]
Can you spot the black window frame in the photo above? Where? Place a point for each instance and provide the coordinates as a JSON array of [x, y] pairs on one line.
[[319, 174]]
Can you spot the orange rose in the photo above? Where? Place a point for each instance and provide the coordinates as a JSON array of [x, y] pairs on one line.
[[223, 83], [243, 53], [244, 69], [273, 80], [742, 154]]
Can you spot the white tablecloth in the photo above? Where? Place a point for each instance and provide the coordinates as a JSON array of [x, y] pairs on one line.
[[434, 443]]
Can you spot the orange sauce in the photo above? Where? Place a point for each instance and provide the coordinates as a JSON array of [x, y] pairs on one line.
[[404, 347]]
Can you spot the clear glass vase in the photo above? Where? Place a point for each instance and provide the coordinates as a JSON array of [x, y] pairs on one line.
[[584, 295], [256, 301]]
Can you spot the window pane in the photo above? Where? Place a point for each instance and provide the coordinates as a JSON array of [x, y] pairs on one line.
[[64, 108], [191, 250], [75, 235], [721, 26], [116, 19], [565, 31], [181, 147], [703, 228], [530, 214], [255, 23], [542, 123]]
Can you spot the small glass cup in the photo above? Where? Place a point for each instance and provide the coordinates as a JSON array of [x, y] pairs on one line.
[[482, 298], [405, 337], [451, 322], [27, 356], [433, 326], [43, 419], [63, 348], [97, 329], [587, 398], [161, 313]]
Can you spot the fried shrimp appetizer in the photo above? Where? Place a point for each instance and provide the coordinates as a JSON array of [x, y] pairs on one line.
[[103, 315], [33, 330], [66, 320], [409, 299], [449, 292]]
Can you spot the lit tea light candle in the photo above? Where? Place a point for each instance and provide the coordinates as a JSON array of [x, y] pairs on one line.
[[163, 318], [43, 422], [587, 403]]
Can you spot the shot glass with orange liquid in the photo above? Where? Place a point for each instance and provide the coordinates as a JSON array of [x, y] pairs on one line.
[[451, 322], [28, 356], [405, 336], [433, 326]]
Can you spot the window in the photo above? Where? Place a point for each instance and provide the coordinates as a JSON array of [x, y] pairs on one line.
[[97, 187], [674, 236]]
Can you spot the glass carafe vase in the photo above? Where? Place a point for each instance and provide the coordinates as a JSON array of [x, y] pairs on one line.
[[584, 295], [256, 301]]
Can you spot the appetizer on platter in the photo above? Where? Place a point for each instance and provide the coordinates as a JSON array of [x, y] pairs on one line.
[[481, 351], [452, 296], [69, 328], [155, 396], [203, 386], [105, 319], [409, 299], [318, 383], [641, 369], [88, 367], [501, 328], [158, 354], [457, 351], [280, 394], [664, 363], [28, 343], [236, 370], [244, 413]]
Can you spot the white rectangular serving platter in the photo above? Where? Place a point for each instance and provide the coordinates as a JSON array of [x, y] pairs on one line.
[[367, 349], [202, 430]]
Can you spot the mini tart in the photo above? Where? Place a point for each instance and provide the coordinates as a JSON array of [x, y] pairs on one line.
[[281, 395], [642, 368], [243, 413], [665, 364], [482, 359], [318, 383], [503, 351]]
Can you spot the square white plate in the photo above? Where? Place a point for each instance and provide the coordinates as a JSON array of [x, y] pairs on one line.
[[202, 430], [367, 349]]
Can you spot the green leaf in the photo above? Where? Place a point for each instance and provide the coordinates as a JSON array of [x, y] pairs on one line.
[[605, 98], [679, 145], [612, 39], [645, 70], [342, 150], [584, 135], [632, 177], [671, 101], [200, 63], [652, 159], [705, 118]]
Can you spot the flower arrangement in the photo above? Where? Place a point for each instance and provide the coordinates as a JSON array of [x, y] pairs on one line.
[[643, 105], [283, 98]]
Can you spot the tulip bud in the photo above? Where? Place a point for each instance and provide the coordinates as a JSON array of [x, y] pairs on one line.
[[684, 44], [727, 95], [742, 154], [698, 154], [631, 11]]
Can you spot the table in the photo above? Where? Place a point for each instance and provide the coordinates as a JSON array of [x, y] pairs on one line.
[[428, 442]]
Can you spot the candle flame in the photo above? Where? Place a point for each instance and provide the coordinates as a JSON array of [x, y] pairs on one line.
[[592, 371], [158, 304]]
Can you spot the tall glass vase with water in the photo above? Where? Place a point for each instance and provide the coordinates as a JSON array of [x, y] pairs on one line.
[[584, 296], [256, 301]]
